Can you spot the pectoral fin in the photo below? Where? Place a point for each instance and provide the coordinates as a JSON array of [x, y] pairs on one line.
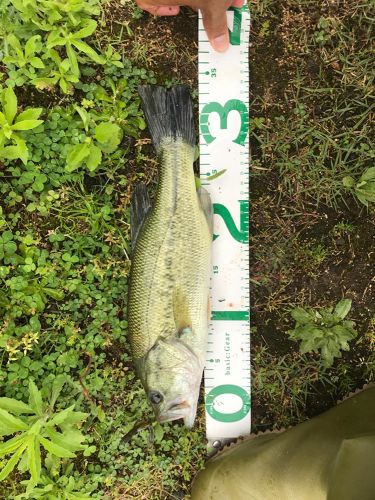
[[206, 205], [139, 209], [181, 313]]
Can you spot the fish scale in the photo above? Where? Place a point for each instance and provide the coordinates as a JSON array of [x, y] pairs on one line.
[[224, 171]]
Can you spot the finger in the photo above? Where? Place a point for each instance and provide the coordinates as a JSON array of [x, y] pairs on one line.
[[165, 10], [215, 24], [237, 3], [159, 10]]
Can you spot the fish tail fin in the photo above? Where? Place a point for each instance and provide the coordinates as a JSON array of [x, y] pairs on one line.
[[169, 113]]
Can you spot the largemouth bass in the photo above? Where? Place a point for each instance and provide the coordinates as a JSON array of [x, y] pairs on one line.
[[169, 285]]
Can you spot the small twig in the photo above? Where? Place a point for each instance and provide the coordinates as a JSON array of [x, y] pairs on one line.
[[85, 391], [137, 427]]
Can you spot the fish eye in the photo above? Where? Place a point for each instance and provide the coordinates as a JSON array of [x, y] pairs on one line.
[[155, 397]]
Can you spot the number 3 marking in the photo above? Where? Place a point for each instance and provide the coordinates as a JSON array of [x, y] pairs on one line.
[[223, 112]]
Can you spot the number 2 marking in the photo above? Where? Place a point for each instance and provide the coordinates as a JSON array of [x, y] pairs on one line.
[[241, 235]]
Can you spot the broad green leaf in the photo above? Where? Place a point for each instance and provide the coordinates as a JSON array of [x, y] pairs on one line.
[[27, 178], [301, 315], [368, 190], [102, 95], [22, 151], [60, 417], [105, 131], [65, 65], [12, 462], [72, 59], [44, 83], [100, 414], [77, 496], [35, 428], [118, 64], [14, 60], [361, 198], [57, 385], [11, 444], [327, 357], [108, 136], [55, 449], [52, 41], [344, 334], [10, 424], [38, 184], [76, 155], [14, 406], [29, 114], [34, 462], [9, 101], [86, 49], [2, 119], [90, 27], [70, 440], [94, 159], [35, 398], [35, 323], [85, 117], [65, 87], [307, 345], [31, 45], [158, 432], [26, 124], [14, 42], [368, 175], [37, 63], [75, 418], [54, 293], [343, 308]]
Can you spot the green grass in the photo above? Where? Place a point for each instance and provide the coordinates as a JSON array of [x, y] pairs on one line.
[[283, 384], [319, 128]]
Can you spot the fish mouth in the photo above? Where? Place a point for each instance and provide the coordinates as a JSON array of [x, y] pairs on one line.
[[177, 410]]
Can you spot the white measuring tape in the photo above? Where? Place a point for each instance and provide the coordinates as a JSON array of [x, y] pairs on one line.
[[224, 124]]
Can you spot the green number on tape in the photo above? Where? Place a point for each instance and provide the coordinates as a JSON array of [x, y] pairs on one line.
[[235, 35], [223, 112], [241, 235], [228, 389]]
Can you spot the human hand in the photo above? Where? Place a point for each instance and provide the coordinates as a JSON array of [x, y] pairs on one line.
[[213, 13]]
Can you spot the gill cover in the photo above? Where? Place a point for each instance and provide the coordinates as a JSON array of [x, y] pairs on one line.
[[171, 376]]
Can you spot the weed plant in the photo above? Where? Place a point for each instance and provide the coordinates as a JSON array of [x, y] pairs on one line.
[[325, 331]]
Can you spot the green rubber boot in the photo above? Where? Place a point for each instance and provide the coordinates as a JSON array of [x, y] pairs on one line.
[[331, 457]]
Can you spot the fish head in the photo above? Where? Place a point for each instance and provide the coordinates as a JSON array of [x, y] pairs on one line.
[[172, 374]]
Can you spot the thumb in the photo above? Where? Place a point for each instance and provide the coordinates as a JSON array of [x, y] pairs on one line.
[[215, 24]]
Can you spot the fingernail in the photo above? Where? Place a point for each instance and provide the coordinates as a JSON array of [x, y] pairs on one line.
[[220, 43]]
